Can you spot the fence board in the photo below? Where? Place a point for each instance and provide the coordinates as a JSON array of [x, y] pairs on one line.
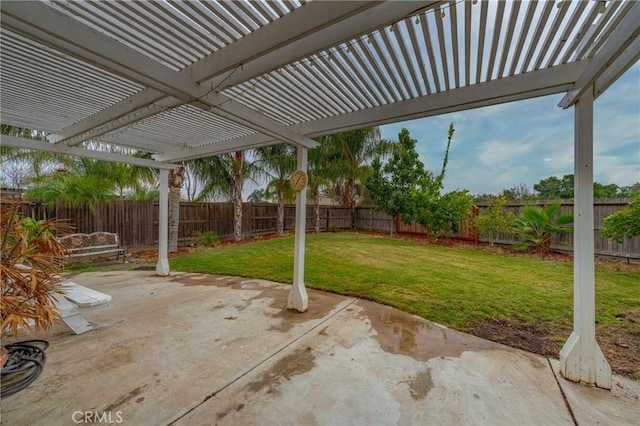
[[136, 222]]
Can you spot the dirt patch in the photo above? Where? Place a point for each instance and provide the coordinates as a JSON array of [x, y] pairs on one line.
[[620, 343], [620, 347]]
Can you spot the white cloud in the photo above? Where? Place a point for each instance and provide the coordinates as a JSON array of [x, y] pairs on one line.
[[503, 145]]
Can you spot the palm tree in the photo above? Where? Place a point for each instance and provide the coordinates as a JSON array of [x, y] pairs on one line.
[[70, 188], [353, 151], [18, 165], [176, 179], [258, 196], [277, 162], [321, 171], [225, 175]]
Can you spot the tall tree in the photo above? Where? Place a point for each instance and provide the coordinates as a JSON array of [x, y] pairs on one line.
[[392, 185], [225, 175], [277, 162], [176, 179], [321, 169], [402, 187], [552, 188], [518, 192], [354, 150]]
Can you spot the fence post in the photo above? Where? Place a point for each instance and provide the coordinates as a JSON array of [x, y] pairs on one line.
[[371, 219]]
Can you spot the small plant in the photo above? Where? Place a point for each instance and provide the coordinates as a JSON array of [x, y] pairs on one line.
[[208, 239], [493, 219], [624, 223], [535, 226], [333, 228], [31, 258]]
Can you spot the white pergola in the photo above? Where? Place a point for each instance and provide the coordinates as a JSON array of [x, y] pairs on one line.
[[185, 80]]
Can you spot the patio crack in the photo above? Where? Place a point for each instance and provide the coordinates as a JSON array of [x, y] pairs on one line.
[[263, 361], [564, 396]]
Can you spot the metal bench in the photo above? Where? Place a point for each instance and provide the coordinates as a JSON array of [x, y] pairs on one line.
[[91, 245]]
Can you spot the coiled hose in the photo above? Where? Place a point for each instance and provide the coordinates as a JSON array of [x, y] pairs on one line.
[[24, 364]]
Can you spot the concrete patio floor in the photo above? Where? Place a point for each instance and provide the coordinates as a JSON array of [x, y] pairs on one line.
[[195, 349]]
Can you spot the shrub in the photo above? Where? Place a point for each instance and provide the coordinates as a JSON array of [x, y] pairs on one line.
[[493, 219], [624, 223], [535, 226], [31, 256], [208, 239]]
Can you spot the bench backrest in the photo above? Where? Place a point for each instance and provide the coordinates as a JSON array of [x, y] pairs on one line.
[[95, 239]]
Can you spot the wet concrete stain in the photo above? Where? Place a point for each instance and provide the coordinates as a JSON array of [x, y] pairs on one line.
[[297, 363], [125, 398], [401, 333], [207, 280], [320, 303], [113, 357], [223, 414], [420, 385]]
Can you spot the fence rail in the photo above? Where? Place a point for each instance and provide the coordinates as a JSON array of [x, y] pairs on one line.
[[136, 222]]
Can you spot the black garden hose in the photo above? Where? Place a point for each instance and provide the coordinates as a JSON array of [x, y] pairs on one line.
[[24, 364]]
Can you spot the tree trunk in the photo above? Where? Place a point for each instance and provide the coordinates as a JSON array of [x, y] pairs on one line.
[[352, 202], [316, 209], [176, 179], [545, 246], [238, 182], [280, 224]]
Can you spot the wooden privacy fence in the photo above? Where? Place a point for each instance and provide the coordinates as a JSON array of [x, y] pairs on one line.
[[629, 249], [136, 222]]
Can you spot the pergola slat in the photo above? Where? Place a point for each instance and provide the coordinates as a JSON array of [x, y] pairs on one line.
[[467, 43], [481, 39], [444, 57], [553, 31], [523, 36], [564, 38], [497, 27], [392, 68], [513, 18]]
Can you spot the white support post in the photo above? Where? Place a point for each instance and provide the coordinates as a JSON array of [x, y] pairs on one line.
[[298, 298], [581, 359], [162, 268]]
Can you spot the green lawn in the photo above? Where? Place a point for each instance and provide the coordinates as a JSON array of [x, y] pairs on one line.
[[455, 286]]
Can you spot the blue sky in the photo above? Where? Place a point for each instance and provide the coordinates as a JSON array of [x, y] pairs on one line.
[[503, 145]]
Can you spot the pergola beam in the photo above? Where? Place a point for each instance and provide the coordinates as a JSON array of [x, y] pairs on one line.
[[268, 48], [16, 142], [542, 82], [630, 56], [625, 35], [52, 28], [259, 42]]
